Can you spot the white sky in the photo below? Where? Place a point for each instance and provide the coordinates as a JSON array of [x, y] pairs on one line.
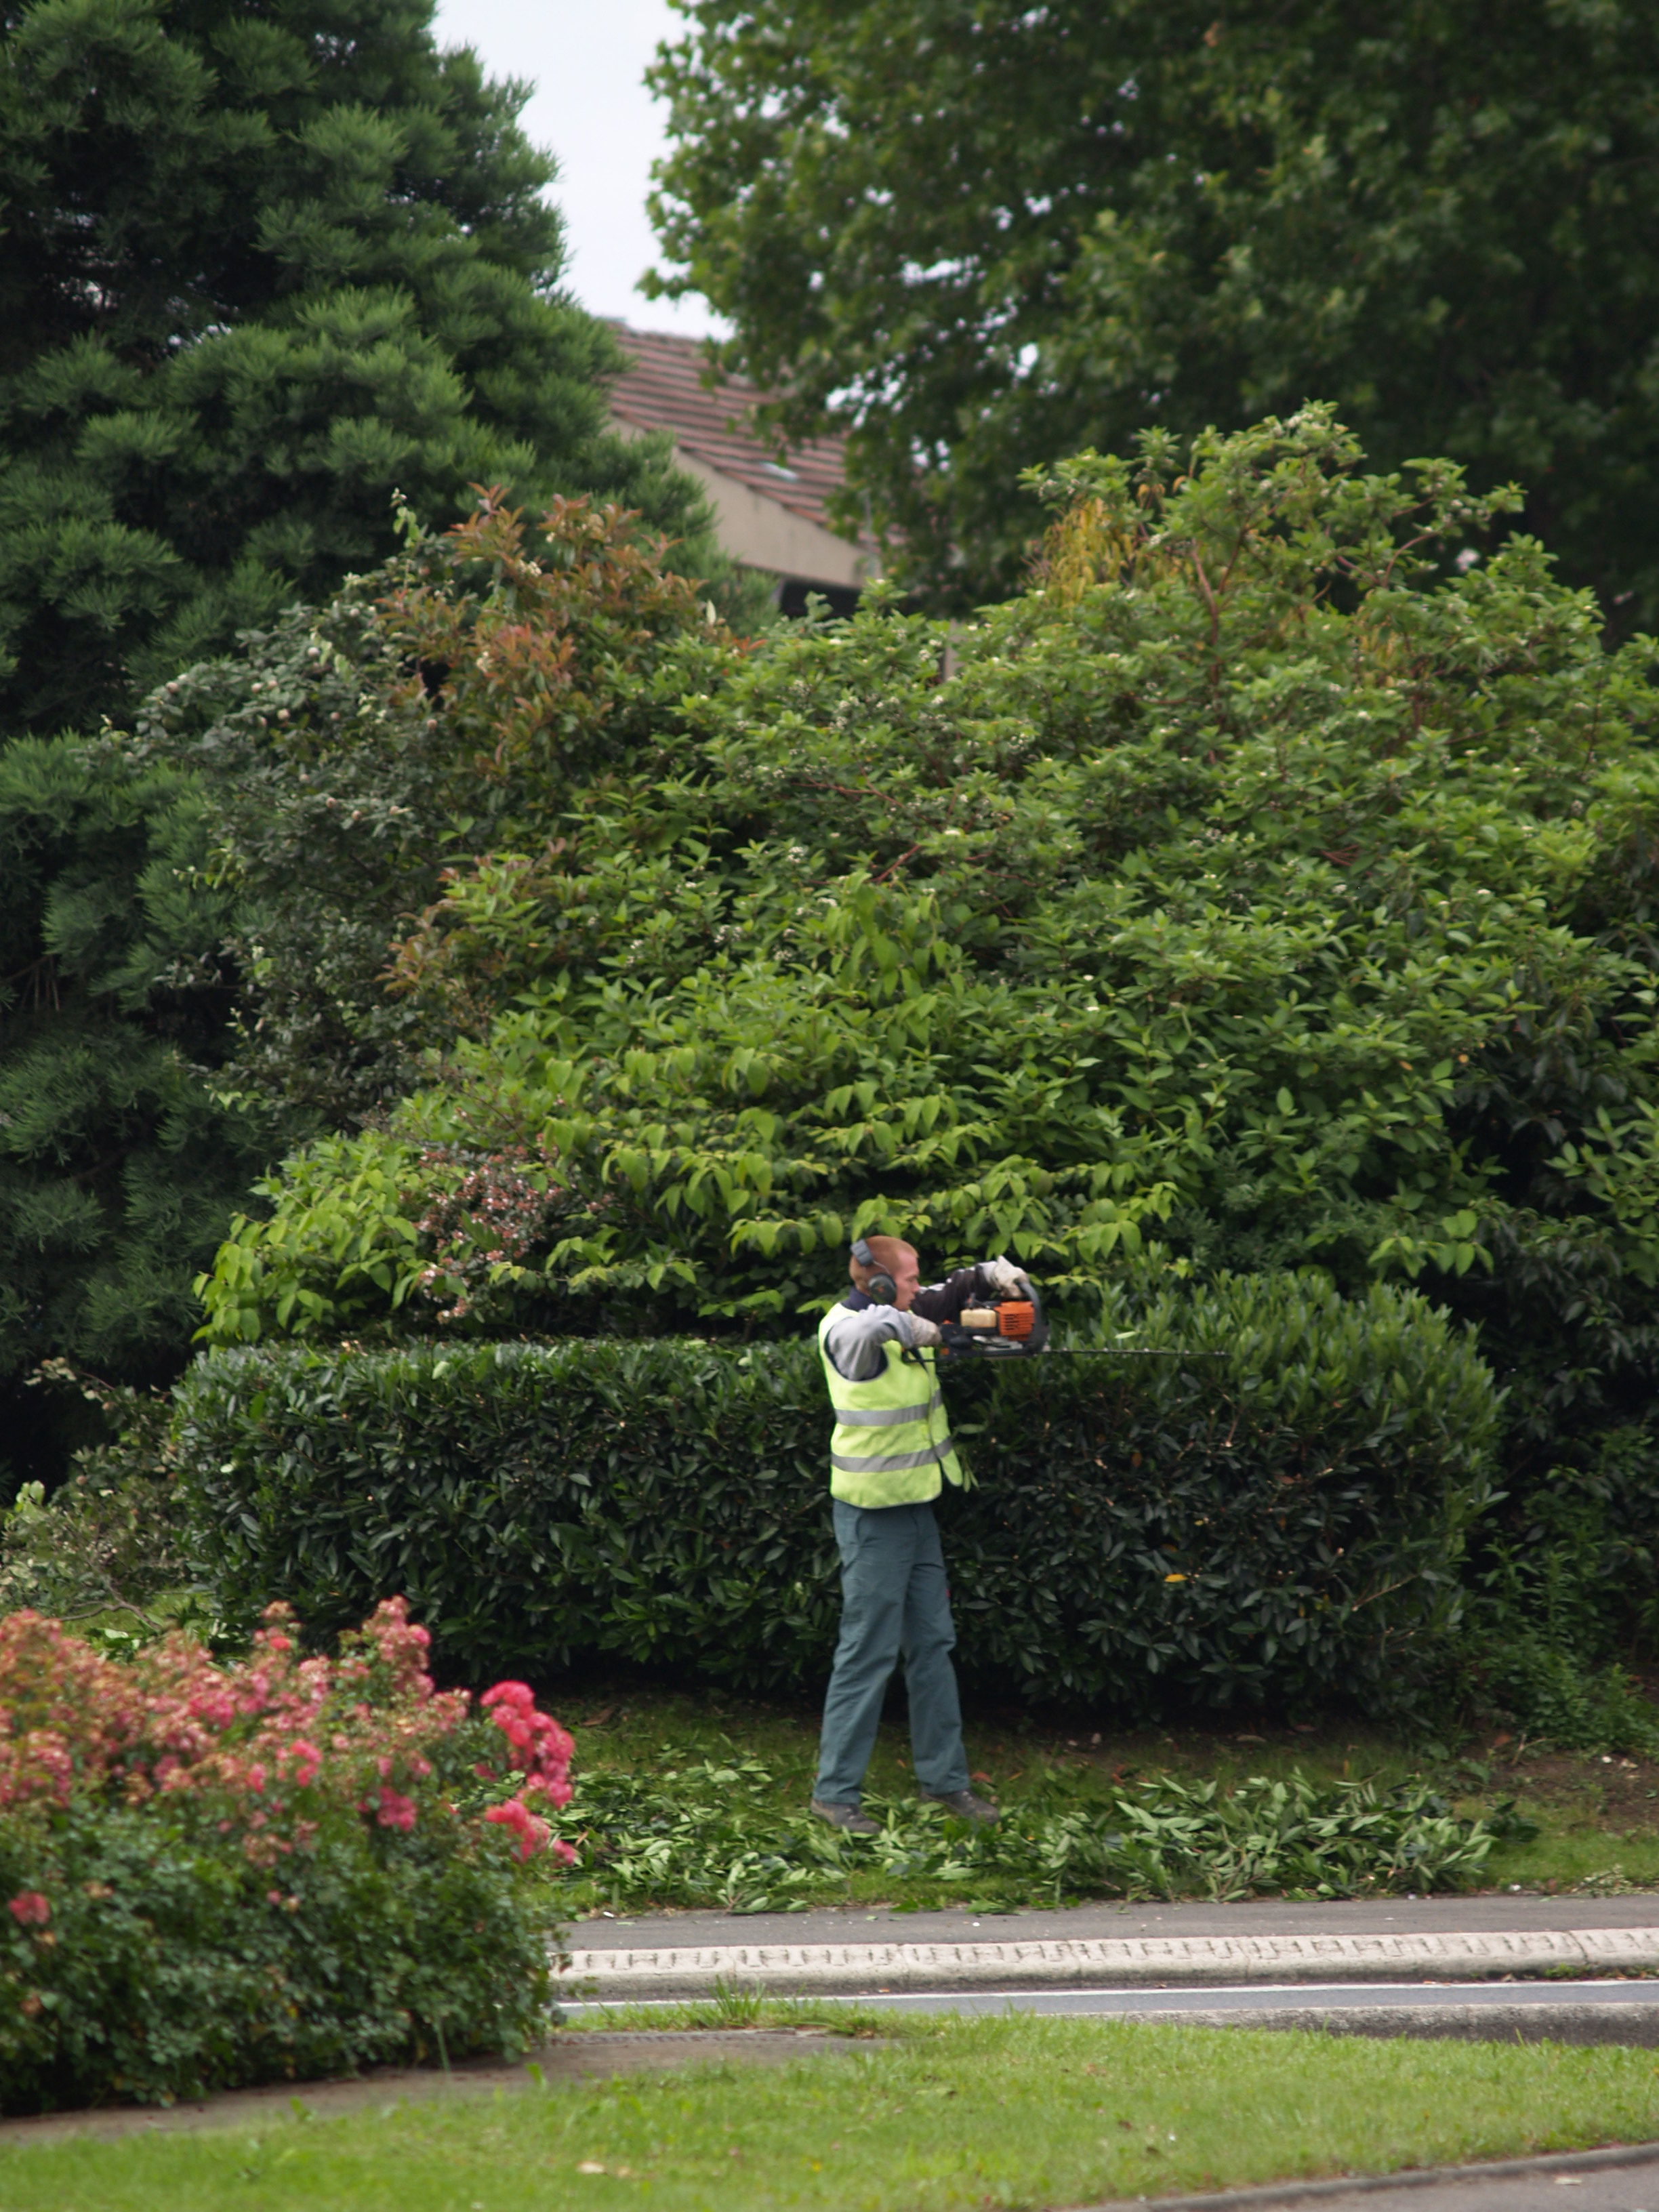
[[587, 59]]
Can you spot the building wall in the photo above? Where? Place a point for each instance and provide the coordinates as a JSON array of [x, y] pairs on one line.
[[762, 533]]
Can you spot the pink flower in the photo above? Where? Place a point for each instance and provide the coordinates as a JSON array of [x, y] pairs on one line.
[[557, 1791], [307, 1759], [516, 1814], [396, 1812], [29, 1909]]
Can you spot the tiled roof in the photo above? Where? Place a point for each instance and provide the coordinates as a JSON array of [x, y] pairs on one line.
[[665, 391]]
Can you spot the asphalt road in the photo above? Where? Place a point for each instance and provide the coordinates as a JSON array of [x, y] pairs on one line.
[[1616, 2000], [1576, 2012]]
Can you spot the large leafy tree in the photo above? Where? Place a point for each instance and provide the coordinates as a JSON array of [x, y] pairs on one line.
[[985, 235], [261, 268]]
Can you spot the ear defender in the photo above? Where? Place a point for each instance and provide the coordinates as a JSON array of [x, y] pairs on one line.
[[880, 1285]]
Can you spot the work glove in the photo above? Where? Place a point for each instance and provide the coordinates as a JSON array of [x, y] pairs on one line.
[[923, 1332], [1002, 1279]]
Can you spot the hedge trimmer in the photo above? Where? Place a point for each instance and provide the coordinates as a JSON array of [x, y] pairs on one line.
[[1018, 1329]]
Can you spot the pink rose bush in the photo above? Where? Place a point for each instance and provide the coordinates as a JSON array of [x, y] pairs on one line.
[[224, 1872], [260, 1736]]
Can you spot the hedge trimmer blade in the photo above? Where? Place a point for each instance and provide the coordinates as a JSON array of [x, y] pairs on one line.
[[1132, 1352]]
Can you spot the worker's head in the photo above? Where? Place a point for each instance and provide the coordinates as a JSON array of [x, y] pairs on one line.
[[891, 1255]]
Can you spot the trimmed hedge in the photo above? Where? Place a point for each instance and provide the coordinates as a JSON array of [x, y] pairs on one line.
[[1286, 1520]]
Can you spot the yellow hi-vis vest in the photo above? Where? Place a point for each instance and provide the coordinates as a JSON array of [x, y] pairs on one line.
[[891, 1441]]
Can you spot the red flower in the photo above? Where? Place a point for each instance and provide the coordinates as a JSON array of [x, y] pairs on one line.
[[29, 1909]]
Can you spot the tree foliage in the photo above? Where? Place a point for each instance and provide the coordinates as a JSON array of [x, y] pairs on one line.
[[260, 270], [462, 697], [1263, 889], [986, 235]]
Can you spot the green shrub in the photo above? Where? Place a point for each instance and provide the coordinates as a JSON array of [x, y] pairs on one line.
[[1283, 1519], [110, 1540], [1272, 882], [1547, 1688], [177, 1967]]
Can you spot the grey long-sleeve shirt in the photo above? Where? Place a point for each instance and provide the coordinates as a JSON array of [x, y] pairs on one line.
[[856, 1339]]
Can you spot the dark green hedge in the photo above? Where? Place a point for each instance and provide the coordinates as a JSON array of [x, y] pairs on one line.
[[1286, 1520]]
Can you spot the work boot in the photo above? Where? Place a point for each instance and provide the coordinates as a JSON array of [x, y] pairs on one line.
[[964, 1804], [855, 1820]]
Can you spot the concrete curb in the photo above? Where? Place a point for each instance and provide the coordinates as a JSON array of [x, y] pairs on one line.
[[799, 1969], [1415, 2177]]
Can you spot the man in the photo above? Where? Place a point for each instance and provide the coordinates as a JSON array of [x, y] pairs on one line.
[[891, 1446]]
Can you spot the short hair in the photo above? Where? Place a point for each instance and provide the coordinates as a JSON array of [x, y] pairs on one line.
[[886, 1252]]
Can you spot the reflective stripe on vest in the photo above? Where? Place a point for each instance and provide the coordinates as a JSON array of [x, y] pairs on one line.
[[903, 1466], [888, 1417], [890, 1461]]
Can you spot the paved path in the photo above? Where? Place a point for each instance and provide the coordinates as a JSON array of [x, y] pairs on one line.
[[567, 2058], [1263, 1916]]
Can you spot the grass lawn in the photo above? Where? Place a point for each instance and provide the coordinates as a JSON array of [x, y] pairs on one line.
[[965, 2113], [1597, 1819]]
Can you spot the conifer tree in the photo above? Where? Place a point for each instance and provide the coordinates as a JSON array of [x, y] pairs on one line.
[[118, 1169], [260, 270]]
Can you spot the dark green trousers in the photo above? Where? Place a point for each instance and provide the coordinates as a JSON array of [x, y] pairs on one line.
[[894, 1605]]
